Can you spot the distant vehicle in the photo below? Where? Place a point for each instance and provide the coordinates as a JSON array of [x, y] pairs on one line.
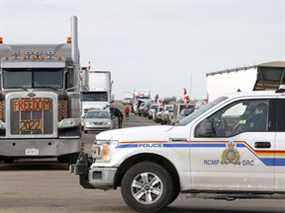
[[96, 90], [168, 114], [152, 111], [185, 110], [144, 108], [97, 120], [140, 97], [266, 76], [127, 101], [158, 115], [128, 98]]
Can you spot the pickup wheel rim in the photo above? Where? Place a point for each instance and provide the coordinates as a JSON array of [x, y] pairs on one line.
[[147, 188]]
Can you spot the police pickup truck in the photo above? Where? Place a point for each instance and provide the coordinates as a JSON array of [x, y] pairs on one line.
[[231, 148]]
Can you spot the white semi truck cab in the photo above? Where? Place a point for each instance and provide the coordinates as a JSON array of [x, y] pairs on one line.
[[231, 148], [95, 90]]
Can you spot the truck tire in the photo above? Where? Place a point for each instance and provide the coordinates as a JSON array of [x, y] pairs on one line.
[[69, 158], [147, 187]]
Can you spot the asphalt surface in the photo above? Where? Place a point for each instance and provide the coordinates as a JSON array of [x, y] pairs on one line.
[[45, 186]]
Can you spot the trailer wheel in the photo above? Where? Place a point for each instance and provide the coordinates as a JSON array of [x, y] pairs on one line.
[[147, 187]]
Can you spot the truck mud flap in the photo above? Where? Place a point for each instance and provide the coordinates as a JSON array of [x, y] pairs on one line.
[[81, 168]]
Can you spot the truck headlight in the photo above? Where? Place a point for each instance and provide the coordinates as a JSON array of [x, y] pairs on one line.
[[2, 125], [69, 123]]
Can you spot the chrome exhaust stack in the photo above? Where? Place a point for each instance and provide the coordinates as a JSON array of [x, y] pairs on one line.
[[74, 43]]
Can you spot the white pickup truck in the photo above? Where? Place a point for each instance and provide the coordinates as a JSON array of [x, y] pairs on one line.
[[232, 148]]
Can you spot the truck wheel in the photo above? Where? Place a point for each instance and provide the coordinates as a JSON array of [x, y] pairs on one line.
[[147, 187]]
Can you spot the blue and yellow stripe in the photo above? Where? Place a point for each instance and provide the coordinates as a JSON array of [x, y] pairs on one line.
[[267, 157]]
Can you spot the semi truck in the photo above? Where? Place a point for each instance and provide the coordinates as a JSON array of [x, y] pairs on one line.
[[39, 100], [96, 90], [265, 76]]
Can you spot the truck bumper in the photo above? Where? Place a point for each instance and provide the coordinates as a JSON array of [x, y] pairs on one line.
[[93, 178], [102, 178], [40, 147]]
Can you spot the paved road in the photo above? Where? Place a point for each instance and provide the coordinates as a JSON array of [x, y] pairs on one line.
[[48, 187]]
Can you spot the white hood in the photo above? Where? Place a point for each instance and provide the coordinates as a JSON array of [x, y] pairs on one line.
[[146, 133]]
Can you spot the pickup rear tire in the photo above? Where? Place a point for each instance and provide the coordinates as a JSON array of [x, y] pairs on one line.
[[147, 187]]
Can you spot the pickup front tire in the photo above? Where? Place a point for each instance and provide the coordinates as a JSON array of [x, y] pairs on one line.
[[147, 187]]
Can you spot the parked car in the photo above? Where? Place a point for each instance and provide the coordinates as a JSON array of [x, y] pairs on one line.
[[158, 115], [152, 111], [143, 108], [97, 121], [168, 114]]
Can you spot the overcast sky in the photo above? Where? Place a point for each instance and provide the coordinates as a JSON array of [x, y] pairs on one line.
[[155, 44]]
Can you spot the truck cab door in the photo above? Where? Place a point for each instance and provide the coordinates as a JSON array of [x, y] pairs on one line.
[[228, 148]]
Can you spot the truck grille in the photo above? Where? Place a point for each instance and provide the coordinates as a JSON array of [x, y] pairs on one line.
[[31, 116]]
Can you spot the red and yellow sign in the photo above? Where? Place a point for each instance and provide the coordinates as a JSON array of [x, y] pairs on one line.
[[31, 125], [29, 105]]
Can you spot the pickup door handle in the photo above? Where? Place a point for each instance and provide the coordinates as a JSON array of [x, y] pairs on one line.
[[264, 145]]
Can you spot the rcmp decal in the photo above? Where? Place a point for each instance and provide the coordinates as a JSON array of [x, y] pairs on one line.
[[231, 155]]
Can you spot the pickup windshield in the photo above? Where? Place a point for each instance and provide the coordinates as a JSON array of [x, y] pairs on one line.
[[200, 111], [33, 78]]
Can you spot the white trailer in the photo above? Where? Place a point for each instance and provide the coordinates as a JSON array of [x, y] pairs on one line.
[[230, 81], [96, 92], [266, 76]]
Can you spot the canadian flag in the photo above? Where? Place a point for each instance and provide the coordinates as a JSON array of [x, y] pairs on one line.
[[186, 97], [207, 98], [156, 98], [89, 66]]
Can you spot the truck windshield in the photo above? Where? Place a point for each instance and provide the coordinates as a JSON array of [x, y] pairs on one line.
[[94, 96], [33, 78], [200, 111]]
